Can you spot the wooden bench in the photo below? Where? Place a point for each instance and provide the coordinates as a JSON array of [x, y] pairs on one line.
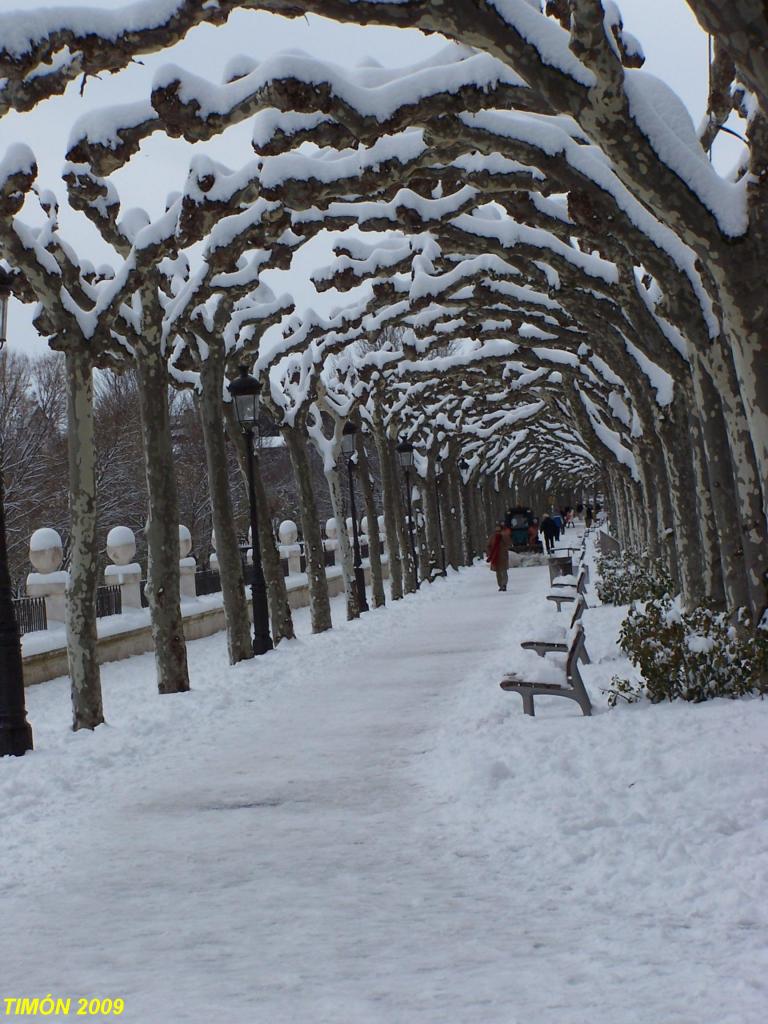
[[543, 647], [573, 687], [559, 566], [568, 591], [563, 551]]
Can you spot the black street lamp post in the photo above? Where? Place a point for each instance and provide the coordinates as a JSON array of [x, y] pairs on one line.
[[405, 456], [245, 392], [15, 730], [348, 451], [438, 479]]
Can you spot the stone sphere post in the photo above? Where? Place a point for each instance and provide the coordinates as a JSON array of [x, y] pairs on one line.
[[124, 572], [50, 582]]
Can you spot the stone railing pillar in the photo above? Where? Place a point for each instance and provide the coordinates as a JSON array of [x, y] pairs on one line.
[[288, 533], [332, 540], [187, 564], [49, 582], [124, 573]]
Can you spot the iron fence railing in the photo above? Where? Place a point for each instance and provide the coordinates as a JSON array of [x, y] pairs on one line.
[[30, 614], [207, 581], [109, 601]]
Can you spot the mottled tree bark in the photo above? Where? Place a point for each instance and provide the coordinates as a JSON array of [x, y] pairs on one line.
[[712, 575], [239, 641], [685, 507], [721, 487], [467, 538], [433, 555], [411, 569], [162, 529], [448, 508], [479, 532], [319, 601], [339, 506], [749, 508], [389, 487], [85, 680], [363, 471], [277, 593]]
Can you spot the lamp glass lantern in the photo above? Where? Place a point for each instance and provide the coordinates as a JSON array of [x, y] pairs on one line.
[[348, 440], [405, 454], [245, 391]]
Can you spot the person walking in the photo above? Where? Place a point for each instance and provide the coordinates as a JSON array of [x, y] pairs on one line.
[[551, 532], [497, 554], [533, 535], [559, 522], [588, 517]]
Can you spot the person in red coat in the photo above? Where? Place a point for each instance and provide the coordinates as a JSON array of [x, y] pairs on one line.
[[498, 553]]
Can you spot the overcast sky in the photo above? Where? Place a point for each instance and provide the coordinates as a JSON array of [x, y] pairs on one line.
[[675, 48]]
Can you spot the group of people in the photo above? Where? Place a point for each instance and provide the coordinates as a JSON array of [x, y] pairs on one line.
[[551, 526], [554, 524]]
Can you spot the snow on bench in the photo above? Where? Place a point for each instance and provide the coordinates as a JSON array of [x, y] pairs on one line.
[[572, 687]]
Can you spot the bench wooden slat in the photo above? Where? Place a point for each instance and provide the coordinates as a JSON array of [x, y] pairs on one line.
[[544, 647]]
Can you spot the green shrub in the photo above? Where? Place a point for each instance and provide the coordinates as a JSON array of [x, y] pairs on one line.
[[694, 656], [631, 576]]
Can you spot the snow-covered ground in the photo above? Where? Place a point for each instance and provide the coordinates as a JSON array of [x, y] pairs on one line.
[[362, 828]]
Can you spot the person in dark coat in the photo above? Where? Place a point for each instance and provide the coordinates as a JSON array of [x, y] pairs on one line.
[[551, 532], [559, 522], [588, 517]]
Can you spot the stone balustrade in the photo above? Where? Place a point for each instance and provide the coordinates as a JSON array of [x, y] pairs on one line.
[[129, 633]]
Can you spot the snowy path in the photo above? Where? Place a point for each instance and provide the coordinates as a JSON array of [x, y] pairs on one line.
[[336, 836]]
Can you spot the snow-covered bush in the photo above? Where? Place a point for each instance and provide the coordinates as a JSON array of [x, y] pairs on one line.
[[631, 576], [694, 656]]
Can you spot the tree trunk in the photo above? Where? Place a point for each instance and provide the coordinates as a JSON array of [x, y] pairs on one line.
[[722, 488], [749, 509], [709, 543], [374, 541], [448, 508], [389, 488], [684, 505], [85, 679], [411, 568], [468, 544], [433, 554], [319, 601], [239, 641], [162, 529], [339, 505], [479, 532], [280, 617]]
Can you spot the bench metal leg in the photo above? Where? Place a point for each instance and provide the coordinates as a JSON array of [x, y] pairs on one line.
[[527, 702]]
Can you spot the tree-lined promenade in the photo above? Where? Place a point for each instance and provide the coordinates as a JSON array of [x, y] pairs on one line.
[[559, 290]]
